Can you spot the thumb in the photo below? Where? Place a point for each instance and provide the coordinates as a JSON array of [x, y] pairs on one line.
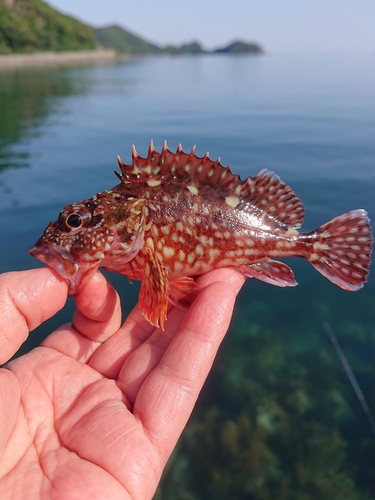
[[27, 298]]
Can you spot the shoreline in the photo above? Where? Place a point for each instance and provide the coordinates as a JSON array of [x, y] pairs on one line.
[[57, 58]]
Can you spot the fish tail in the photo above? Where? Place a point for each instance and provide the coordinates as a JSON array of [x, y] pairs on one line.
[[342, 250]]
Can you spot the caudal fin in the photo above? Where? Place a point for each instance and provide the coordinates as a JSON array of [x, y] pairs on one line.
[[342, 250]]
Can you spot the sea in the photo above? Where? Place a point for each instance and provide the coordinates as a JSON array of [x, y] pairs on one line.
[[278, 416]]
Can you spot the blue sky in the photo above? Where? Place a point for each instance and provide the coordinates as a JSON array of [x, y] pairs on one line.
[[279, 26]]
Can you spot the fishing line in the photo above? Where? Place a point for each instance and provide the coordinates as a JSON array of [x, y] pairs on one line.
[[350, 374]]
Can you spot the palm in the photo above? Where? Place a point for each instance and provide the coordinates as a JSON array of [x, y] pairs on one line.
[[83, 433], [96, 410]]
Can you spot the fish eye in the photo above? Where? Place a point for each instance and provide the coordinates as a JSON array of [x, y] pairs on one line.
[[74, 218], [74, 221]]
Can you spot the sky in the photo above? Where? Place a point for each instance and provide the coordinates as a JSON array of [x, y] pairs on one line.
[[277, 25]]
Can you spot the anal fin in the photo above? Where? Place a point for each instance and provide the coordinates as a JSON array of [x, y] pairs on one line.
[[271, 271]]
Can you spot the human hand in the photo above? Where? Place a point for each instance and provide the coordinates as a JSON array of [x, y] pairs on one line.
[[97, 409]]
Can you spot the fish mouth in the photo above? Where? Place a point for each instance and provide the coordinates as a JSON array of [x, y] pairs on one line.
[[62, 261]]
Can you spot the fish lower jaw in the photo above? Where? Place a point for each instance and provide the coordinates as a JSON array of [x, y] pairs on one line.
[[75, 273]]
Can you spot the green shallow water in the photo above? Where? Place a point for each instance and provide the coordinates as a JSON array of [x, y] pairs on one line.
[[277, 417]]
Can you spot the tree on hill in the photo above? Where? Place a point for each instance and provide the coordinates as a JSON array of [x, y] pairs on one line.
[[32, 25], [240, 47], [115, 37]]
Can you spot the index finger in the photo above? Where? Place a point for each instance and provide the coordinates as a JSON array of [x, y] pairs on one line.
[[27, 299], [168, 394]]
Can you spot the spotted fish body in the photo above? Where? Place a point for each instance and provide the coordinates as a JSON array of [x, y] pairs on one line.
[[175, 216]]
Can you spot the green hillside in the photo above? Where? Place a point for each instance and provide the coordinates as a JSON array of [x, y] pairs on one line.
[[186, 48], [33, 26], [115, 37], [240, 47]]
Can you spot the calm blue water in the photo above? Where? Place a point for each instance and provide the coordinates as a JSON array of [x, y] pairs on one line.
[[281, 414]]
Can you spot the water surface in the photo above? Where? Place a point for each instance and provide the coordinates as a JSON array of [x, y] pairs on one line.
[[277, 417]]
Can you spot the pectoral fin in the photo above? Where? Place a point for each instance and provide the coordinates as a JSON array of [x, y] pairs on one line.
[[154, 292], [182, 292]]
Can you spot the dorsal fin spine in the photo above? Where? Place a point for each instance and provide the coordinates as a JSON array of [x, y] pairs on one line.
[[123, 168], [265, 192], [164, 151], [119, 161], [119, 175], [134, 153], [151, 148], [176, 158], [191, 155]]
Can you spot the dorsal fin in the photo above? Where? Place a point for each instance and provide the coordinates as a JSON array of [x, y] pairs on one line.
[[177, 167], [269, 193], [266, 191]]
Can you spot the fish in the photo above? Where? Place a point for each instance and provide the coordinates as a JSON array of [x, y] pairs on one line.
[[175, 216]]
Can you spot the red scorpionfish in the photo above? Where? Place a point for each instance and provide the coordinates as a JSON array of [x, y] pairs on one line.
[[175, 216]]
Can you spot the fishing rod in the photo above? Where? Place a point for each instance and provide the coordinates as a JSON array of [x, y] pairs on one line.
[[350, 374]]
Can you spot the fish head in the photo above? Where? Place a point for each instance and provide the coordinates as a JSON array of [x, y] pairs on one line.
[[74, 244], [87, 235]]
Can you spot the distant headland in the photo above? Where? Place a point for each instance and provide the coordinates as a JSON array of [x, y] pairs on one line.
[[116, 37], [34, 27]]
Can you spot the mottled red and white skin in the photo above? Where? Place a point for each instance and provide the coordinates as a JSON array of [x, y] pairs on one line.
[[175, 216]]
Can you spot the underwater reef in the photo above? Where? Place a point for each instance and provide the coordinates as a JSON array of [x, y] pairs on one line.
[[277, 417]]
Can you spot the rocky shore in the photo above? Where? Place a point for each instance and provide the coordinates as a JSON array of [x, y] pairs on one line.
[[57, 58]]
